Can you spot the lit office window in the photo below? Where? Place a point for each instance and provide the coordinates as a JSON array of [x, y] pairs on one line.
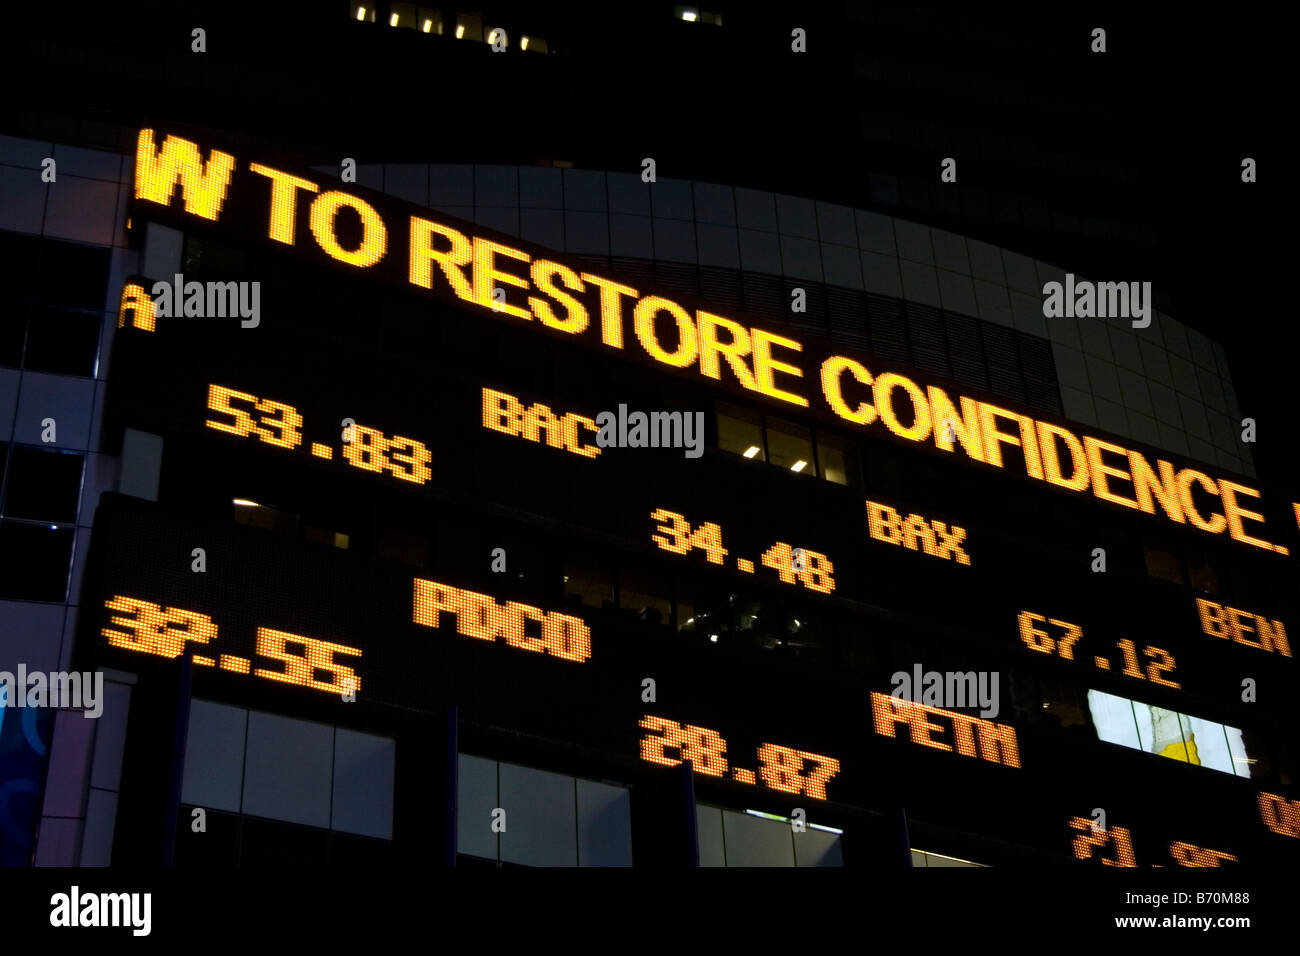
[[790, 446], [740, 431], [498, 35], [696, 15], [1166, 733], [365, 12], [429, 20], [469, 26], [838, 460], [402, 15], [532, 44]]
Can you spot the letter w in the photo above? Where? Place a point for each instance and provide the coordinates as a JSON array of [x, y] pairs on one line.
[[157, 172]]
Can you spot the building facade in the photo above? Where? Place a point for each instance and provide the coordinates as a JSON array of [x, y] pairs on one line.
[[371, 576]]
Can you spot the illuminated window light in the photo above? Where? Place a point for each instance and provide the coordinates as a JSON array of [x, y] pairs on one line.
[[245, 503], [774, 816], [799, 465], [751, 451], [460, 30], [689, 16], [392, 21], [428, 26], [492, 37], [523, 44], [361, 13], [713, 638]]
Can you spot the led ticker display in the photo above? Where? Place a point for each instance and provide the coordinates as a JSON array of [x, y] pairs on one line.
[[299, 630], [916, 533], [1228, 622], [809, 568], [404, 245], [781, 768], [279, 425], [1093, 842], [1055, 638], [1280, 815], [148, 628], [536, 422], [996, 743], [519, 625]]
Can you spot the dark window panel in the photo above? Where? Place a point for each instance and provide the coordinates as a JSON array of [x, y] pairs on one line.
[[37, 558], [62, 341], [70, 274], [42, 485], [13, 332], [214, 848], [888, 326], [266, 843]]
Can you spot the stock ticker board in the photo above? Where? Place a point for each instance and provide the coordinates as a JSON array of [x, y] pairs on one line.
[[981, 565]]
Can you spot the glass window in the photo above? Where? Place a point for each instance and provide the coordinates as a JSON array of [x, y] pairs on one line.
[[13, 332], [364, 11], [740, 431], [430, 20], [1164, 565], [1201, 573], [588, 586], [258, 515], [36, 557], [403, 548], [790, 446], [1063, 704], [62, 341], [838, 460], [469, 26], [645, 596], [402, 15], [43, 485]]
